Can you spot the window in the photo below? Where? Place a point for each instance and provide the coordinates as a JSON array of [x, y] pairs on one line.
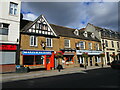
[[92, 35], [13, 8], [48, 42], [33, 41], [90, 46], [85, 34], [4, 28], [106, 42], [112, 43], [67, 43], [76, 32], [82, 45], [118, 45], [97, 46]]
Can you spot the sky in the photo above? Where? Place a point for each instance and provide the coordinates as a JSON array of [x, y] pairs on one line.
[[74, 14]]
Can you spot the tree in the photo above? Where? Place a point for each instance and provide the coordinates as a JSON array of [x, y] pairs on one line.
[[85, 55]]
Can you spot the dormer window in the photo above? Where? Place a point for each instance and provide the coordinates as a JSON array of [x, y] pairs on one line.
[[85, 34], [92, 35], [76, 32]]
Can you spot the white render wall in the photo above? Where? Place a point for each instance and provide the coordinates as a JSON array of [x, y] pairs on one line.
[[13, 20]]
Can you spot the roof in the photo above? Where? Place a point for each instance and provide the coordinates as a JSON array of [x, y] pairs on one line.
[[59, 30]]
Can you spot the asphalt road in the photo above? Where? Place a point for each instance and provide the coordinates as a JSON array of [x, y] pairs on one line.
[[96, 78]]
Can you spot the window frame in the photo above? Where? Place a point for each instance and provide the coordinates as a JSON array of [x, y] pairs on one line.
[[68, 43], [4, 29], [35, 39], [51, 42], [13, 6], [90, 46], [82, 42]]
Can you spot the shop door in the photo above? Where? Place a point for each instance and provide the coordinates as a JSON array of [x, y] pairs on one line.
[[90, 60], [48, 57]]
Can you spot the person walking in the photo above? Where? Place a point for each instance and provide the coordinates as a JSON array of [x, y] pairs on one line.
[[59, 67]]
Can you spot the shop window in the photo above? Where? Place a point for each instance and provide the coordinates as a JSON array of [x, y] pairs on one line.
[[39, 60], [13, 8], [4, 28], [67, 43], [28, 60], [33, 41], [48, 42]]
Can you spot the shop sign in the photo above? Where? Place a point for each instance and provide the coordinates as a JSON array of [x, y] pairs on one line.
[[8, 47], [79, 52], [36, 52]]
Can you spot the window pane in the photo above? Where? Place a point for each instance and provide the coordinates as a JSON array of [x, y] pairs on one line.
[[39, 60], [3, 31], [28, 60], [31, 40]]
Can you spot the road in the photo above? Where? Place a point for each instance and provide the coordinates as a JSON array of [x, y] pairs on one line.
[[96, 78]]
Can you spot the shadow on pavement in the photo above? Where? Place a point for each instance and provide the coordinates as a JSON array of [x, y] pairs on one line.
[[94, 78]]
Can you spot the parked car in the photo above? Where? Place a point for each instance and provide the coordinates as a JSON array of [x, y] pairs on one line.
[[115, 64]]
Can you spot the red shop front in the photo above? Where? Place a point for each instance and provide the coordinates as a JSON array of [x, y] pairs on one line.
[[8, 57], [38, 58]]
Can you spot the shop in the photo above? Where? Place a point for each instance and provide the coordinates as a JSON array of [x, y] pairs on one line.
[[68, 56], [93, 57], [34, 58], [8, 57]]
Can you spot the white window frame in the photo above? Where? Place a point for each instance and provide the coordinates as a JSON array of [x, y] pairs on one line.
[[83, 45], [69, 43], [12, 6], [90, 46], [51, 44], [34, 37]]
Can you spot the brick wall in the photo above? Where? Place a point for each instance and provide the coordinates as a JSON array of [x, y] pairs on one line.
[[7, 68]]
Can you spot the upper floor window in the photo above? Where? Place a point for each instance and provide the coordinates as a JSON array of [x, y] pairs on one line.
[[112, 43], [118, 45], [97, 46], [13, 8], [48, 42], [33, 41], [85, 34], [82, 45], [76, 32], [90, 46], [67, 43], [106, 42], [92, 35], [4, 28]]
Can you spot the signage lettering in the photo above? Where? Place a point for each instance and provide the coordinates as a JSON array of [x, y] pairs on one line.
[[8, 47]]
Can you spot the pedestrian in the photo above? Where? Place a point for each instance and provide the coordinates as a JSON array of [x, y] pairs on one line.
[[59, 67]]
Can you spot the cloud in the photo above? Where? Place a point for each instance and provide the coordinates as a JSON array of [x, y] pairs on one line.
[[75, 14], [29, 16]]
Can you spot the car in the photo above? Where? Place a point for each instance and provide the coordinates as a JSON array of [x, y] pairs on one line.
[[115, 64]]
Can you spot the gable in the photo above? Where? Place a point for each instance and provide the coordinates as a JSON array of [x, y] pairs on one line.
[[40, 26]]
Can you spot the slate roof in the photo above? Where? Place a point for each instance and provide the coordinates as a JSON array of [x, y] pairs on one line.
[[107, 32], [59, 30]]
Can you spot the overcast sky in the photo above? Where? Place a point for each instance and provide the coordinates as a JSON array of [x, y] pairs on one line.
[[74, 14]]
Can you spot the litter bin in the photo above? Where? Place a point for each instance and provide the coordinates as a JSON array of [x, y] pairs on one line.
[[21, 69]]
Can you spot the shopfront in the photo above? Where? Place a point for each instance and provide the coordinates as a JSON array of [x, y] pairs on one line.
[[38, 58], [8, 57], [93, 57], [68, 56]]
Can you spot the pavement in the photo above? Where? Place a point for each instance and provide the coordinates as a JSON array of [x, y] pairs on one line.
[[8, 77]]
